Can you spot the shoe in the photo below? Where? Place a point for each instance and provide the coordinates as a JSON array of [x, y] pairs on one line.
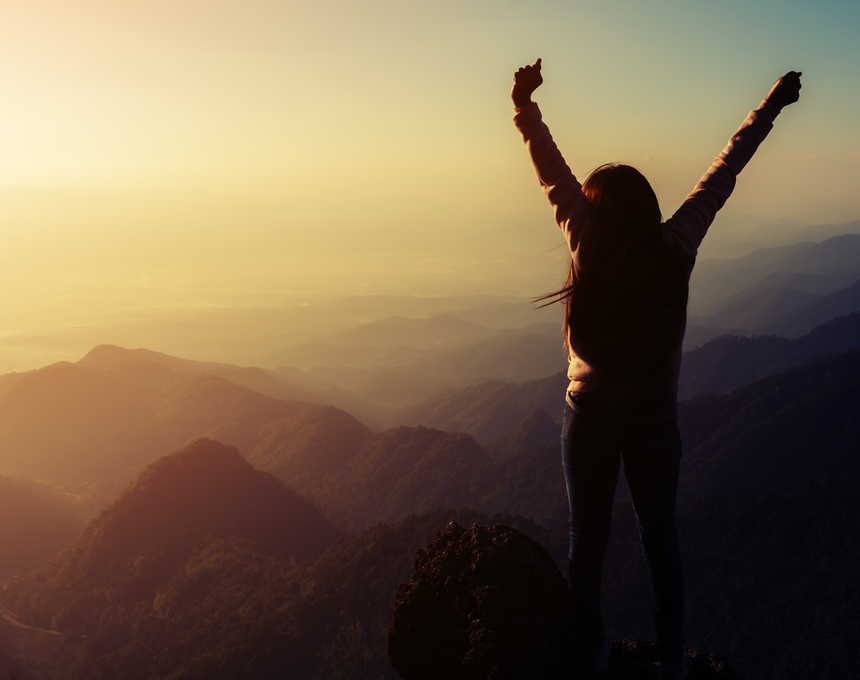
[[598, 660], [686, 670]]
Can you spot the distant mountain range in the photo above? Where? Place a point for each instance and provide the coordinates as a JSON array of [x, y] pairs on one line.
[[442, 329], [753, 438], [489, 410], [225, 560], [806, 317], [76, 424], [204, 562], [290, 385], [824, 266], [359, 478], [727, 363], [101, 420], [734, 234], [786, 290], [788, 312], [433, 345], [753, 308], [512, 354]]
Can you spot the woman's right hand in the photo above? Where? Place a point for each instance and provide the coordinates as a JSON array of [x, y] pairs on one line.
[[786, 90], [526, 80]]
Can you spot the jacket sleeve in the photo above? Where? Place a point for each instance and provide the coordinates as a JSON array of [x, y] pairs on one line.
[[558, 182], [688, 226]]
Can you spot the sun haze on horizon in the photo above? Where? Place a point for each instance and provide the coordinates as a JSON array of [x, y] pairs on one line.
[[162, 157]]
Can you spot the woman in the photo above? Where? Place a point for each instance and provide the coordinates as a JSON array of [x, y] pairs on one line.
[[625, 302]]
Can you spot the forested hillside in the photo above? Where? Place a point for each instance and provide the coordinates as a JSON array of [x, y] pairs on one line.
[[489, 410], [359, 479], [774, 433], [772, 585], [207, 567], [730, 362], [195, 522], [535, 430]]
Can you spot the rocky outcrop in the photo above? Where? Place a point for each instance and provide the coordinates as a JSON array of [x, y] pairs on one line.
[[483, 603], [489, 604], [637, 660]]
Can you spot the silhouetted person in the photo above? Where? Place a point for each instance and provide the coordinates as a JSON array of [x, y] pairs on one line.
[[625, 302]]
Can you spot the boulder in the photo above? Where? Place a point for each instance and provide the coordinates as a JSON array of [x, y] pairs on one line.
[[488, 603], [483, 603]]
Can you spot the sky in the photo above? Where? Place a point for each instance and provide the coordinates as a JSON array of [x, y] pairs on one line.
[[164, 156]]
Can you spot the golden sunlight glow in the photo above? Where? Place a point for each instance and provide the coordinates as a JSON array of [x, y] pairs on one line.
[[165, 156]]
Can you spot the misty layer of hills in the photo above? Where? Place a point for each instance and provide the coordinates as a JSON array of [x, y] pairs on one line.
[[404, 359], [274, 542], [787, 290], [208, 562], [205, 567]]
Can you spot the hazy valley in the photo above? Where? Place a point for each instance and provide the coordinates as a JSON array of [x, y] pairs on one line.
[[167, 517]]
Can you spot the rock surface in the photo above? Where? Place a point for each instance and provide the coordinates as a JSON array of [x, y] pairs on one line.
[[637, 660], [483, 603], [489, 604]]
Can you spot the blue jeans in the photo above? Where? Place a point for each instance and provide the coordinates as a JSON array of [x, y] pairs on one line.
[[591, 451]]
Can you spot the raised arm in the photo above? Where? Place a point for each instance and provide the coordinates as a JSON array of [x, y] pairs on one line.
[[690, 223], [558, 182]]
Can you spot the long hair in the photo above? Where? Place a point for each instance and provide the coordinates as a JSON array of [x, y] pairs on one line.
[[622, 205]]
